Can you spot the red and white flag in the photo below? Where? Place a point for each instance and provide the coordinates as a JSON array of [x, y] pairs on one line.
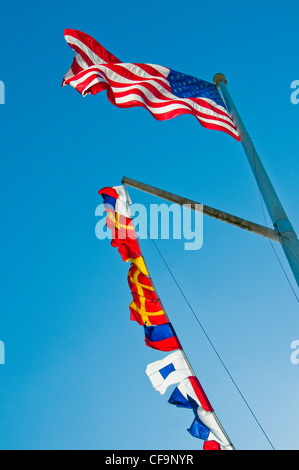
[[164, 92]]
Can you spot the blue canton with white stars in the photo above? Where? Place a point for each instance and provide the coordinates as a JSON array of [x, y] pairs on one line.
[[186, 86]]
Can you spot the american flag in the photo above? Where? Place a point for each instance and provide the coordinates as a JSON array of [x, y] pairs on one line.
[[164, 92]]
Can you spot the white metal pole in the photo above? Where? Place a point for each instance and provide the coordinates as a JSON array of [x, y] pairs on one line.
[[281, 222]]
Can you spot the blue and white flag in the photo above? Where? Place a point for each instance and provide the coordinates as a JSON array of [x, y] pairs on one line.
[[206, 427], [189, 394], [168, 371]]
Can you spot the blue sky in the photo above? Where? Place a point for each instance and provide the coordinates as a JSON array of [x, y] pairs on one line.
[[74, 374]]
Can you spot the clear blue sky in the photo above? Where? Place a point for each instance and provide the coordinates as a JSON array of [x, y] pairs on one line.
[[74, 376]]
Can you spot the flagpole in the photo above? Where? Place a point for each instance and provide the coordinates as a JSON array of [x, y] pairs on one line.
[[280, 220], [204, 209]]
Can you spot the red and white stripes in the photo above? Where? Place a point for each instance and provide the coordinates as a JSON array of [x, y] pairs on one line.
[[94, 69]]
